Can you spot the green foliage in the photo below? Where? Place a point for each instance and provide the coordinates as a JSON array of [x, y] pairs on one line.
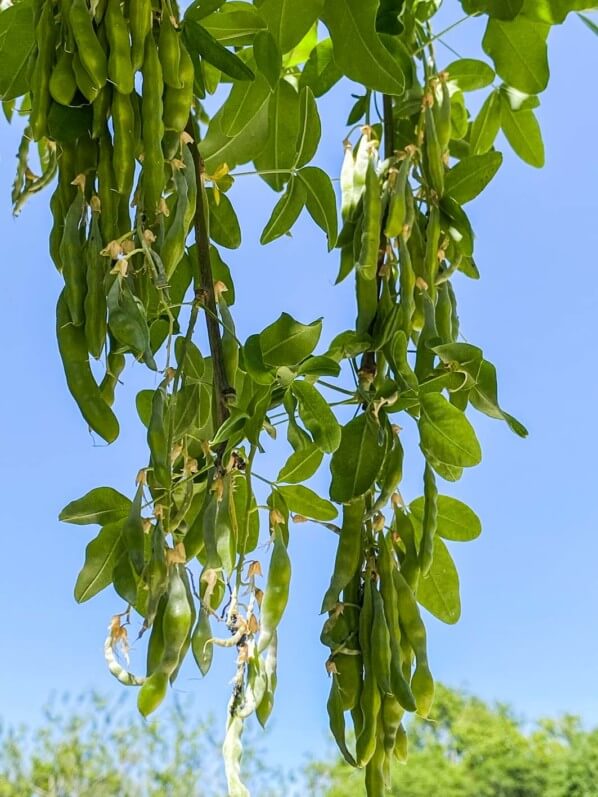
[[98, 747], [472, 749], [114, 95]]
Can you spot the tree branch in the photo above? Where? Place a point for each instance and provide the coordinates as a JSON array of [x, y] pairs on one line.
[[203, 284]]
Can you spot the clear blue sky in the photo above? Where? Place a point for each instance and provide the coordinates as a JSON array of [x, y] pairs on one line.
[[529, 631]]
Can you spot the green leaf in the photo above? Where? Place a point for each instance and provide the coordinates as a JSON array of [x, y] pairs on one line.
[[321, 201], [202, 8], [286, 211], [320, 365], [101, 505], [317, 416], [217, 148], [310, 128], [518, 49], [553, 12], [202, 42], [320, 72], [254, 361], [470, 74], [523, 133], [231, 429], [279, 152], [439, 591], [101, 555], [236, 23], [143, 404], [456, 521], [469, 177], [446, 434], [267, 57], [486, 125], [301, 51], [484, 397], [303, 501], [193, 364], [287, 342], [301, 465], [16, 45], [358, 50], [244, 102], [224, 224], [289, 21], [356, 462]]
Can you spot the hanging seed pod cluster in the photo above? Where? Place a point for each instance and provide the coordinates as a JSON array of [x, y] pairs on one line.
[[112, 94]]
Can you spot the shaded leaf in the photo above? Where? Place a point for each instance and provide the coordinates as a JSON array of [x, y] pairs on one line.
[[224, 224], [286, 211], [356, 462], [358, 50], [317, 416], [101, 555], [321, 201], [279, 152], [486, 125], [320, 72], [470, 176], [289, 21]]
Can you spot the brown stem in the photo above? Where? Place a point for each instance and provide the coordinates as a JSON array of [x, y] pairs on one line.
[[203, 285]]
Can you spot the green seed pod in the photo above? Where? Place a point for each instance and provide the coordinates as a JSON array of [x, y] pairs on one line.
[[177, 619], [202, 633], [429, 522], [95, 298], [114, 367], [397, 209], [422, 683], [140, 22], [84, 83], [100, 110], [348, 554], [157, 438], [367, 264], [336, 720], [152, 693], [276, 593], [120, 69], [169, 49], [45, 37], [433, 152], [155, 647], [73, 261], [178, 101], [124, 142], [63, 85], [89, 49], [153, 130], [73, 352]]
